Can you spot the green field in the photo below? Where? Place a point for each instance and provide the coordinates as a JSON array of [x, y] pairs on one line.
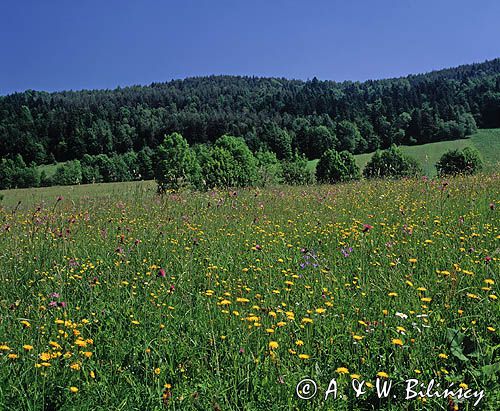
[[486, 141], [114, 298]]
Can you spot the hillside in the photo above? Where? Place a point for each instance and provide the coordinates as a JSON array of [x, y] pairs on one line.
[[486, 141], [269, 113]]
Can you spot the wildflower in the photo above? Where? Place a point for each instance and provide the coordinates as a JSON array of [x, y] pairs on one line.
[[342, 370], [273, 345], [161, 273], [397, 341], [367, 227], [74, 390], [304, 356], [412, 260], [355, 376], [357, 337], [157, 371], [27, 347], [443, 356], [12, 356], [299, 343], [382, 374]]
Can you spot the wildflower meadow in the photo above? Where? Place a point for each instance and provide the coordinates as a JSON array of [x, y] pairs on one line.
[[226, 300]]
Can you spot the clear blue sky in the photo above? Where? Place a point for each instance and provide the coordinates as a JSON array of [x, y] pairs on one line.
[[68, 44]]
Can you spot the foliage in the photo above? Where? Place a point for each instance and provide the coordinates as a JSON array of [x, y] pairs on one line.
[[391, 163], [466, 161], [175, 164], [276, 114], [269, 169], [296, 171], [68, 173], [334, 167]]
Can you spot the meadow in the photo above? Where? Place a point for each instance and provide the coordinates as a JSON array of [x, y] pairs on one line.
[[114, 298]]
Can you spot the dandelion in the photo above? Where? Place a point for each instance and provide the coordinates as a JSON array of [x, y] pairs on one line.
[[342, 370], [74, 390], [397, 341], [273, 345], [443, 356], [304, 356], [27, 347], [382, 374]]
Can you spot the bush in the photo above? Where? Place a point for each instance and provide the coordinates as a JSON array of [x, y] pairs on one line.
[[336, 167], [68, 173], [467, 161], [176, 165], [244, 165], [391, 163], [296, 172], [269, 170]]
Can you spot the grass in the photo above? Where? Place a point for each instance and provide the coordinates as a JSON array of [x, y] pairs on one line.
[[486, 141], [113, 298]]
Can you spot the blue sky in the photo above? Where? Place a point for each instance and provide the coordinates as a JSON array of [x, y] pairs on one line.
[[60, 45]]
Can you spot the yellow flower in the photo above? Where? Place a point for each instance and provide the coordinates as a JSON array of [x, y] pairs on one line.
[[392, 294], [357, 337], [490, 329], [443, 355], [382, 374], [25, 323], [269, 330], [320, 310], [241, 300], [45, 356], [426, 299], [225, 302], [157, 371], [75, 366], [4, 347], [74, 390], [28, 347], [12, 356], [397, 341], [273, 345], [304, 356], [355, 376], [307, 320], [342, 370], [135, 322], [412, 260], [299, 342], [489, 281], [463, 385], [92, 374]]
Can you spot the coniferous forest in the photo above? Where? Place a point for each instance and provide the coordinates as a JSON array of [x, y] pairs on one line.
[[275, 114]]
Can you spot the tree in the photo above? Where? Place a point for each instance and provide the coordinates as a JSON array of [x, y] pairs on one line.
[[296, 171], [349, 136], [175, 164], [466, 161], [336, 167], [245, 165], [68, 173], [391, 163], [269, 169]]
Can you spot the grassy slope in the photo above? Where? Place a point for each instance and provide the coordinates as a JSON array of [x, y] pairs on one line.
[[487, 141]]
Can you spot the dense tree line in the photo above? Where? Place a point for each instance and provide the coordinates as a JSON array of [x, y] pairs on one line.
[[270, 114]]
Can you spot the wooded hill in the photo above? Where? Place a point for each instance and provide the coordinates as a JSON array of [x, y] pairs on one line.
[[274, 113]]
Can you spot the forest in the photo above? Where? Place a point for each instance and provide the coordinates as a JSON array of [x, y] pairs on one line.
[[275, 114]]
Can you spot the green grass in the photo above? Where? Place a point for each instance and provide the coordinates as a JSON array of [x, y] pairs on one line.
[[486, 141], [152, 303]]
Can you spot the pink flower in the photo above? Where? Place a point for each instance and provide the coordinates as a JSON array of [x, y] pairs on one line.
[[367, 227], [161, 272]]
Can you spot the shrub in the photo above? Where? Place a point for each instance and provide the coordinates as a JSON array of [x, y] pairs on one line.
[[335, 167], [296, 172], [269, 170], [391, 163], [466, 161], [176, 165], [68, 173]]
